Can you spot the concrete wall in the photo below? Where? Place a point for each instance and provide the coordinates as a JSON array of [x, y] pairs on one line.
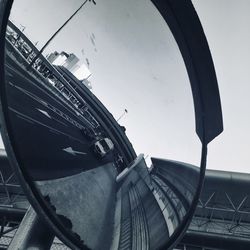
[[183, 177], [156, 226], [88, 201]]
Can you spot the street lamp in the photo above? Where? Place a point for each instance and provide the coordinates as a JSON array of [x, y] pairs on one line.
[[52, 37], [124, 112]]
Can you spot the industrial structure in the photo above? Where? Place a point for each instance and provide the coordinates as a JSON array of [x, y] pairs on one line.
[[221, 221]]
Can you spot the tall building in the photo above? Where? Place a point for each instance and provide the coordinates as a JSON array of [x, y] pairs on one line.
[[82, 72], [71, 61], [72, 79], [52, 57], [63, 59], [60, 59], [75, 68]]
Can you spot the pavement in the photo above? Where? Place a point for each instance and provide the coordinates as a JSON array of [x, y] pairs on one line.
[[88, 201]]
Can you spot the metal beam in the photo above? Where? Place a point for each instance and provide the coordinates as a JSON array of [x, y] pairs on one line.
[[12, 214], [32, 233], [217, 241]]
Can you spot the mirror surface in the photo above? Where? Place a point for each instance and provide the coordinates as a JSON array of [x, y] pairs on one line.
[[102, 120]]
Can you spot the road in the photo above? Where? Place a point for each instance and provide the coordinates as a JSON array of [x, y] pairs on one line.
[[46, 132]]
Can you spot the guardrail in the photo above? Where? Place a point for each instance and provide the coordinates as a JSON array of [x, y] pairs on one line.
[[44, 71], [95, 107]]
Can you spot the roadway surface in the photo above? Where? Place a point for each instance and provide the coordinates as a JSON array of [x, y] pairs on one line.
[[46, 132]]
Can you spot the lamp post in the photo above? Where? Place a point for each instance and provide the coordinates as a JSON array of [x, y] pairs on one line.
[[125, 112], [52, 37]]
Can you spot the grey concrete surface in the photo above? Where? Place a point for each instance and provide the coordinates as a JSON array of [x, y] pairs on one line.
[[88, 201]]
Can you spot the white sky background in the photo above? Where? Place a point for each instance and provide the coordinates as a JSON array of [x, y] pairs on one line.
[[136, 65]]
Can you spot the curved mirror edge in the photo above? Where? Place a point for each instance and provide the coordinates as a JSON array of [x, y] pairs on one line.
[[151, 182]]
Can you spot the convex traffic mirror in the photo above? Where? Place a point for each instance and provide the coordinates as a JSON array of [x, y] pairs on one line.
[[108, 107]]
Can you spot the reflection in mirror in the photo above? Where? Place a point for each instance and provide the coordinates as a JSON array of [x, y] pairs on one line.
[[102, 120]]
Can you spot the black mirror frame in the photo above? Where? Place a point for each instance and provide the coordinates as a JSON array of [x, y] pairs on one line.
[[184, 23]]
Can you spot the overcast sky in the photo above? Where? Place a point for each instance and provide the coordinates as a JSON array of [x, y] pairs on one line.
[[226, 24], [136, 65]]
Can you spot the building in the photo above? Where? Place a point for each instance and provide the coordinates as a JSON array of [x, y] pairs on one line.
[[58, 59], [70, 62], [71, 79], [52, 57]]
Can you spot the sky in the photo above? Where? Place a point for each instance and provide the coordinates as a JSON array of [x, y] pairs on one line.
[[136, 65], [226, 25]]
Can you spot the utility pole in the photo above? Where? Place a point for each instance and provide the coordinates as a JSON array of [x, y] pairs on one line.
[[125, 112], [53, 36]]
